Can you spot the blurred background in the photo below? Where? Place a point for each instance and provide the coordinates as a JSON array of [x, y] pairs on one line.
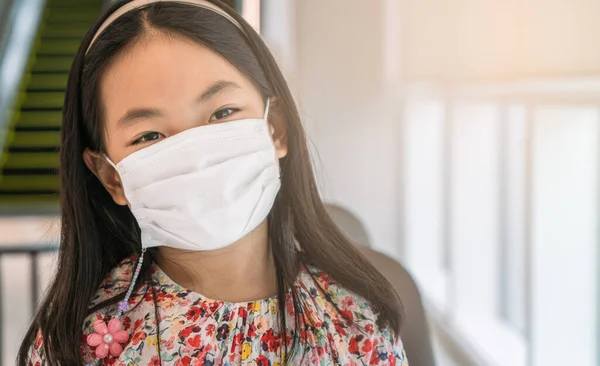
[[462, 135]]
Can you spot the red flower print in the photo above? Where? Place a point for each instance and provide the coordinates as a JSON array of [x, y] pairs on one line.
[[348, 315], [214, 306], [161, 296], [138, 323], [262, 361], [252, 330], [270, 341], [353, 347], [319, 351], [289, 306], [138, 337], [210, 330], [154, 361], [184, 361], [303, 333], [194, 313], [325, 281], [237, 341], [126, 323], [195, 341], [348, 302], [187, 331], [340, 329], [367, 346]]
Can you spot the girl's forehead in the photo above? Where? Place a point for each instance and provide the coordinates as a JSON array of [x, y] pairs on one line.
[[164, 72]]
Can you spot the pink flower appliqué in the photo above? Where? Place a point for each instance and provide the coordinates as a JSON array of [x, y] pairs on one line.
[[107, 338]]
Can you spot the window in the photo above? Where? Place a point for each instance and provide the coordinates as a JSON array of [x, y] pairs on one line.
[[424, 205], [501, 219]]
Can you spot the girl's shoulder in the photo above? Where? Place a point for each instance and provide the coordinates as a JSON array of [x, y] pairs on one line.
[[335, 300], [115, 282], [329, 306]]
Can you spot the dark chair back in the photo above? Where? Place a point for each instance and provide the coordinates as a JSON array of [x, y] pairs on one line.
[[350, 224]]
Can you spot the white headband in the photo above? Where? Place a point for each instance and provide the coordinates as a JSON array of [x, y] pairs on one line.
[[139, 3]]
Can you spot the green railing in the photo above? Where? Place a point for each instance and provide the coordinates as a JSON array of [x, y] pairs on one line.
[[19, 20]]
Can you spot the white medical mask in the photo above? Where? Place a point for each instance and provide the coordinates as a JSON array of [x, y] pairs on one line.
[[204, 188]]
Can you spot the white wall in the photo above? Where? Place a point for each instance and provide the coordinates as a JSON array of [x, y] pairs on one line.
[[340, 56], [335, 58], [499, 39]]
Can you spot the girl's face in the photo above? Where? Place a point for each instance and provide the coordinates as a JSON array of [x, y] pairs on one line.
[[165, 85]]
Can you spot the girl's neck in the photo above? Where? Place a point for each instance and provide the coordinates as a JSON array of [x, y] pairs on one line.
[[242, 271]]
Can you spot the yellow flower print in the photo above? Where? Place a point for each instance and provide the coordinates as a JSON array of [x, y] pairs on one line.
[[246, 351], [151, 342], [320, 301]]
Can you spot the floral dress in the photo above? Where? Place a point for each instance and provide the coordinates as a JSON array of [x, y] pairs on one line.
[[169, 325]]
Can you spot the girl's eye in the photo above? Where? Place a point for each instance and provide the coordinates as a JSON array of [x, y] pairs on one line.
[[222, 114], [150, 136]]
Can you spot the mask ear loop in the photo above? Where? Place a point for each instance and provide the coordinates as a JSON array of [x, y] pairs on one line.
[[265, 118], [267, 109], [110, 162], [123, 305]]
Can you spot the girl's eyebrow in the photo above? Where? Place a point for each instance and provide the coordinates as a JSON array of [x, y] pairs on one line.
[[135, 114]]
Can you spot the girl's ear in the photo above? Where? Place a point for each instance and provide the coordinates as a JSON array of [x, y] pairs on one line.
[[278, 127], [106, 174]]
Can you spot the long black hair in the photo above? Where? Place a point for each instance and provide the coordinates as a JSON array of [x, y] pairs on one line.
[[97, 233]]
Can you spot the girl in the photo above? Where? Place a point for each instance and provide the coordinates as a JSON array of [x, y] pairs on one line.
[[192, 229]]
